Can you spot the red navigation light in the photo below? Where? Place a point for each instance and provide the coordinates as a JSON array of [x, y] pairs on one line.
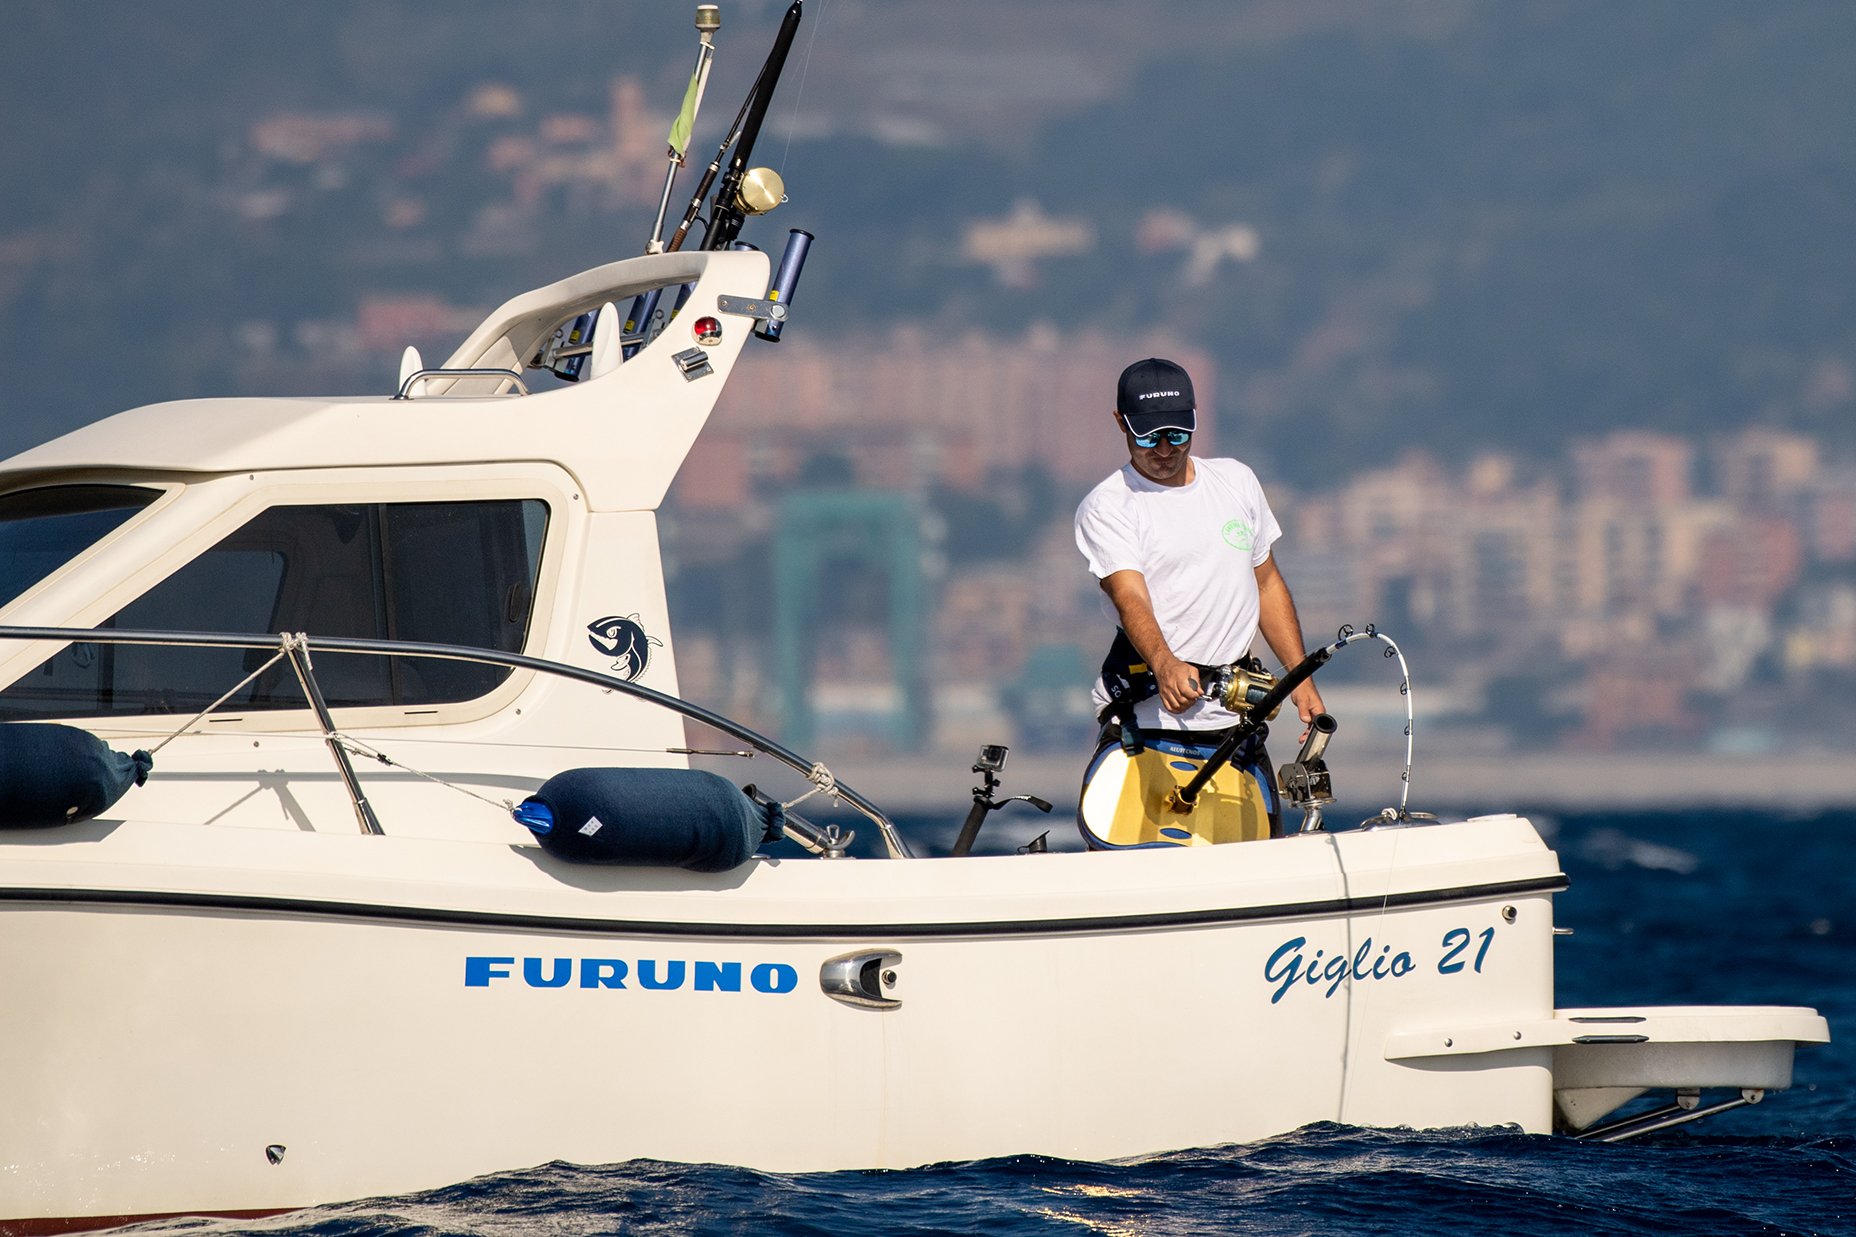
[[708, 331]]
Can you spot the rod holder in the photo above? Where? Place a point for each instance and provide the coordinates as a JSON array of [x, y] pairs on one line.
[[786, 280], [1305, 780], [1320, 730]]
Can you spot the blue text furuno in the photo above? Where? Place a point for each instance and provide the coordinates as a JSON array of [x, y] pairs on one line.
[[643, 974]]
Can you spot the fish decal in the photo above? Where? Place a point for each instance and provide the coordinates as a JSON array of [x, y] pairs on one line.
[[623, 637]]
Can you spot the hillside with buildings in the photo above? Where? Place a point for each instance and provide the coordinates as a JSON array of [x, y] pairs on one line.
[[1539, 321]]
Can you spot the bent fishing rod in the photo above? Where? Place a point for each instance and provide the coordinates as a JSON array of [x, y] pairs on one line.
[[1184, 798]]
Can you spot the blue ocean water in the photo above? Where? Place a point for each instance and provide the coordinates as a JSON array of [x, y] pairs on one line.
[[1667, 908]]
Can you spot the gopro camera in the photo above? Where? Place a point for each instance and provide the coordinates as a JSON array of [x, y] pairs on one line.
[[991, 758]]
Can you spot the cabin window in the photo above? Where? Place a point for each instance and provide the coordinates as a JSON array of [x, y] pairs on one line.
[[443, 573], [42, 530]]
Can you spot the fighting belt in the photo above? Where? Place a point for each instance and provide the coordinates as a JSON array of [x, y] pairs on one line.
[[1129, 680]]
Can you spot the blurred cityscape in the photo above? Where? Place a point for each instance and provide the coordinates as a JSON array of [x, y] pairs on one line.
[[871, 545], [1642, 591]]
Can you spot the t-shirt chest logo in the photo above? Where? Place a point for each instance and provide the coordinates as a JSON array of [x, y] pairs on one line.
[[1238, 534]]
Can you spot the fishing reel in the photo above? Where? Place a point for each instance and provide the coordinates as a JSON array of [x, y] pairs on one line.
[[1239, 686], [761, 190]]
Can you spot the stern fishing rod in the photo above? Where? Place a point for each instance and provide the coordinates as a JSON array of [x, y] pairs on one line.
[[754, 109]]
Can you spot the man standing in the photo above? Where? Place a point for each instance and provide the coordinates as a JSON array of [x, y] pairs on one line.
[[1181, 547]]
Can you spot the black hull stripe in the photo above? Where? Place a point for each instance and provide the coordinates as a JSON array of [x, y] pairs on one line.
[[498, 921]]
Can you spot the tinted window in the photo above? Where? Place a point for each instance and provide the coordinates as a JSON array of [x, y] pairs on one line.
[[447, 573], [41, 530]]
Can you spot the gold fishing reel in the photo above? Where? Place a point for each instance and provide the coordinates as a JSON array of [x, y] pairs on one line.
[[1238, 687], [761, 191]]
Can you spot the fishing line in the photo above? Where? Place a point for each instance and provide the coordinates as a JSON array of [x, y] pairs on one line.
[[1403, 814], [800, 93], [1361, 996]]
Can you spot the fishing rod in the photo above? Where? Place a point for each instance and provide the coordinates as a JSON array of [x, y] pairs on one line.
[[754, 110], [731, 206], [708, 21], [1307, 768], [1185, 798], [708, 177]]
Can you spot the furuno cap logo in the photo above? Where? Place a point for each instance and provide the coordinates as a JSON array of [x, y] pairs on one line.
[[1156, 394]]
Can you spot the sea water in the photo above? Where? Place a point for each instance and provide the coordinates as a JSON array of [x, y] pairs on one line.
[[1719, 907]]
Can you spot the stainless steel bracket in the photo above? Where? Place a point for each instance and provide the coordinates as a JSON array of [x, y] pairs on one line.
[[757, 307], [693, 363]]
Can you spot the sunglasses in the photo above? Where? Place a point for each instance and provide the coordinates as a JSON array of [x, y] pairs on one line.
[[1174, 438]]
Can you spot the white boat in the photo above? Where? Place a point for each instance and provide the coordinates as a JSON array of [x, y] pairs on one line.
[[283, 972]]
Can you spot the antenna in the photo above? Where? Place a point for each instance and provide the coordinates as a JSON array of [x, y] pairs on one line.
[[708, 21]]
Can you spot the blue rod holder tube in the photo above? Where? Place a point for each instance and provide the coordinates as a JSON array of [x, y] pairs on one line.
[[786, 279]]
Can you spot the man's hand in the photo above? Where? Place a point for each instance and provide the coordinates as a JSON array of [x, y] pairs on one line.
[[1179, 684], [1308, 705]]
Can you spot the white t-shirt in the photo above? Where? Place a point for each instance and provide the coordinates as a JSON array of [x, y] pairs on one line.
[[1198, 546]]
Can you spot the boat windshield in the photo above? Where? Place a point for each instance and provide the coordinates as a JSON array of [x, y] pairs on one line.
[[444, 573], [43, 529]]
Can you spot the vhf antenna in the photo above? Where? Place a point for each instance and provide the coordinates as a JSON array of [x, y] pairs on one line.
[[708, 21]]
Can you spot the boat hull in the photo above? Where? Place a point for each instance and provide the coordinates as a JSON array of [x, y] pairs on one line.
[[240, 1020]]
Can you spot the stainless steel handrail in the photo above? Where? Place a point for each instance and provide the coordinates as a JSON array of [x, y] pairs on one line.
[[508, 375], [898, 849]]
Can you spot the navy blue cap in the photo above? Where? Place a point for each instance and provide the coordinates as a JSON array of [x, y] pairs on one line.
[[1156, 394]]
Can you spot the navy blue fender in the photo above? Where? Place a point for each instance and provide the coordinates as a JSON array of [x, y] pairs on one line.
[[53, 775], [671, 818]]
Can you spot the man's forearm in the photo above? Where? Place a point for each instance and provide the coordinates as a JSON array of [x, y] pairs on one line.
[[1277, 620], [1284, 636], [1145, 635], [1178, 682], [1128, 592]]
